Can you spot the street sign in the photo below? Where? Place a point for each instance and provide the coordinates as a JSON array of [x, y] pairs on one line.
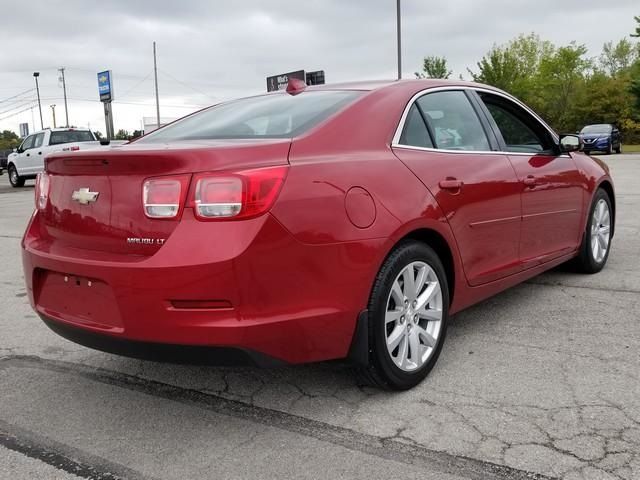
[[105, 87], [279, 82], [315, 78]]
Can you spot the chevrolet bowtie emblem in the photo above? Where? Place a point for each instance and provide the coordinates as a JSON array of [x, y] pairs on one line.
[[84, 196]]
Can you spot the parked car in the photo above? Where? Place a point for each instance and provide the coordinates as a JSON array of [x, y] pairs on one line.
[[602, 138], [312, 224], [28, 159]]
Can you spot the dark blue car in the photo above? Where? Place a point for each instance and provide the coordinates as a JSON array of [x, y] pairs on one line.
[[602, 138]]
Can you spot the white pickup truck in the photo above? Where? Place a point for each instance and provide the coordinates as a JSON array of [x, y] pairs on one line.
[[28, 159]]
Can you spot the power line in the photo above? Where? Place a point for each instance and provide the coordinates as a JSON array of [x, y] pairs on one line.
[[17, 113], [17, 95], [17, 106], [187, 85]]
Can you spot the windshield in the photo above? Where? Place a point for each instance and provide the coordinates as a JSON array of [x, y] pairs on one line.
[[597, 129], [267, 116], [71, 136]]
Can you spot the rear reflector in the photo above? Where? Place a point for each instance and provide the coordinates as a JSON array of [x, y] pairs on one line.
[[42, 190], [161, 197]]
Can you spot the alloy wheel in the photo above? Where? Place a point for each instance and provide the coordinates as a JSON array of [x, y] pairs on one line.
[[600, 231], [413, 316]]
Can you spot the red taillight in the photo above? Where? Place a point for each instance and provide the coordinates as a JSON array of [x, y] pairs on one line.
[[161, 197], [42, 190], [243, 194]]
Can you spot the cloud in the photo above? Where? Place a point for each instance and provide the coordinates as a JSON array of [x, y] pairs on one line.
[[210, 51]]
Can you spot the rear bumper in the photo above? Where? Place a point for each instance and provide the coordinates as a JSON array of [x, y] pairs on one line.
[[162, 352], [266, 293]]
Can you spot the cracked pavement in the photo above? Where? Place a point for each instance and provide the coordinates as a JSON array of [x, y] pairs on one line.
[[541, 381]]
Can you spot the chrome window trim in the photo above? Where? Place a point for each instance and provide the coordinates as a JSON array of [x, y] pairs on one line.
[[395, 142]]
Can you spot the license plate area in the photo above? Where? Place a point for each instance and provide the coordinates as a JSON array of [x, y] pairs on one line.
[[88, 302]]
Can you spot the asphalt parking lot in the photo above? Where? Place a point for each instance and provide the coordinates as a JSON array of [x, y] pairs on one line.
[[541, 381]]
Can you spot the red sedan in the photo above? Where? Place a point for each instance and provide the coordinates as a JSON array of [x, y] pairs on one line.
[[345, 221]]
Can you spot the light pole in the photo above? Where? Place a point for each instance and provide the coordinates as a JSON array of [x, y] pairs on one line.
[[36, 75], [53, 111], [64, 92], [399, 33]]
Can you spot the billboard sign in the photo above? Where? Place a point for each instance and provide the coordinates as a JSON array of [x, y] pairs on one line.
[[279, 82], [105, 87]]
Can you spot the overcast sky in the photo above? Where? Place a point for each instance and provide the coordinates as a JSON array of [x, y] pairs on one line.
[[210, 50]]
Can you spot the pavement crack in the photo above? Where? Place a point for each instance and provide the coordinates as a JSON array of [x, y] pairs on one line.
[[394, 449]]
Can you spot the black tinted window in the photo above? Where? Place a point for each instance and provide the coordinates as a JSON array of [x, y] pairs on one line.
[[415, 131], [520, 131], [71, 136], [267, 116], [454, 122]]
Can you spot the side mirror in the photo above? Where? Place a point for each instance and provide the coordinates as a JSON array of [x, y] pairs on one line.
[[15, 150], [570, 143], [105, 141]]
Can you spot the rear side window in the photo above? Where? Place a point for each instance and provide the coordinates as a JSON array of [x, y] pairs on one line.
[[268, 116], [453, 121], [415, 132], [71, 136]]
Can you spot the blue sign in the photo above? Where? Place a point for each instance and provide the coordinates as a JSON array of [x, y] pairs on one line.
[[105, 89]]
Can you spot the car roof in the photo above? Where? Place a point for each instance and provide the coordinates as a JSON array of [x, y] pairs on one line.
[[61, 129], [409, 84]]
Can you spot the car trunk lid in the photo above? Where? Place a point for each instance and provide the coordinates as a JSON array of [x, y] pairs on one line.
[[95, 197]]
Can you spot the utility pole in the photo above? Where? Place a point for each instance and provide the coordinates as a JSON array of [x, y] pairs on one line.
[[36, 75], [399, 32], [155, 72], [64, 92], [53, 111]]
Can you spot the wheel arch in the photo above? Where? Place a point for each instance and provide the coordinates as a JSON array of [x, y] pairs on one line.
[[440, 245], [607, 186]]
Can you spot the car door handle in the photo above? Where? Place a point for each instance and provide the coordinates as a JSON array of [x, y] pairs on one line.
[[529, 181], [28, 154], [39, 153], [450, 184]]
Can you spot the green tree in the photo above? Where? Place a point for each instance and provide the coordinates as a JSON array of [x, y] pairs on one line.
[[514, 67], [618, 57], [434, 67], [8, 140], [637, 34], [559, 79], [122, 135]]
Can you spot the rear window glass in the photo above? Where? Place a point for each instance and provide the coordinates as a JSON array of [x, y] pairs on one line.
[[267, 116], [71, 137]]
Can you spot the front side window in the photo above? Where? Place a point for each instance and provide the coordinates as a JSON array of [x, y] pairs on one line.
[[521, 132], [71, 136], [266, 116], [453, 121], [28, 143]]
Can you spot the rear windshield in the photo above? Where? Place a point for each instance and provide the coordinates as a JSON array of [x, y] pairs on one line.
[[597, 129], [71, 136], [267, 116]]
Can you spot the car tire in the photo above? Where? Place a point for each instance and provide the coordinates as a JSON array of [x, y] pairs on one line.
[[15, 180], [609, 150], [418, 319], [619, 149], [596, 239]]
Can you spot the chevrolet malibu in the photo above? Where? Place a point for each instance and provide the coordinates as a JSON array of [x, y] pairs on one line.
[[316, 223]]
